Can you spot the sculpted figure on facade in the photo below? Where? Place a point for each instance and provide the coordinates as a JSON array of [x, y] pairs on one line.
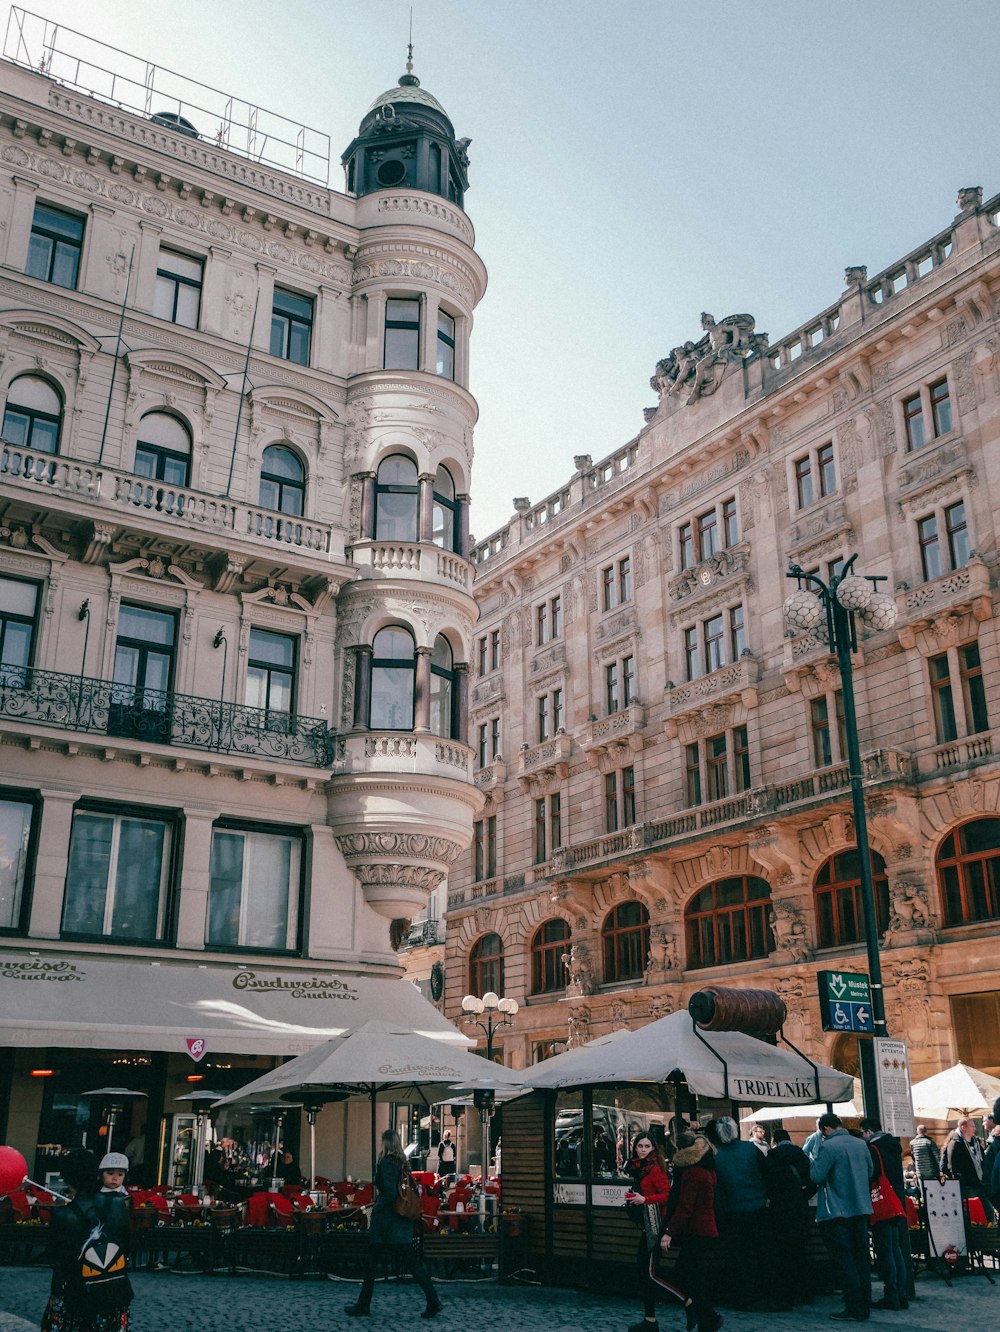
[[663, 958], [698, 367], [909, 910], [579, 1028], [580, 972], [789, 930], [908, 992], [796, 993]]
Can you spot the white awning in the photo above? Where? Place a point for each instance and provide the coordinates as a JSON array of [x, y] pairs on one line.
[[97, 1004]]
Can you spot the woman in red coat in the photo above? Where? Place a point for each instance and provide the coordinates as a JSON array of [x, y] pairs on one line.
[[691, 1224], [650, 1184]]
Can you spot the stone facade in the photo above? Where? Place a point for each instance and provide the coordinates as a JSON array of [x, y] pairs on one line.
[[660, 754]]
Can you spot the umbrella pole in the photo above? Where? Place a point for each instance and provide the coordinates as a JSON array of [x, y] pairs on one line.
[[373, 1140], [312, 1149]]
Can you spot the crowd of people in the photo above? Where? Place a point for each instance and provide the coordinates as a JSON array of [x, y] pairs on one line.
[[751, 1201]]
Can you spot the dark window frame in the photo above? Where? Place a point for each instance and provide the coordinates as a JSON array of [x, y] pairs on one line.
[[837, 902], [958, 868], [60, 243], [714, 931], [34, 417], [300, 834], [549, 944], [486, 970], [288, 321], [625, 942], [15, 795]]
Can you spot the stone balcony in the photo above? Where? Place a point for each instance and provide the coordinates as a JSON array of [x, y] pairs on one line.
[[549, 757], [411, 560], [625, 727], [401, 752], [944, 601], [736, 682]]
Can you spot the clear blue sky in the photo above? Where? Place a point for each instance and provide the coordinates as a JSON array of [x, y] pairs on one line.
[[633, 164]]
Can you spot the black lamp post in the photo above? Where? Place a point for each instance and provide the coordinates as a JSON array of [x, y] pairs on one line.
[[846, 595], [489, 1014]]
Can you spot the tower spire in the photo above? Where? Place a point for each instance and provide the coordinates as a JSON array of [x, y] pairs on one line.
[[409, 79]]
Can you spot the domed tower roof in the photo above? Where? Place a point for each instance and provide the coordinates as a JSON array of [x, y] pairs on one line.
[[406, 140]]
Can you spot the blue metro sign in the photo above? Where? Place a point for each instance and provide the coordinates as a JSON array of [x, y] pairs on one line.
[[845, 1002]]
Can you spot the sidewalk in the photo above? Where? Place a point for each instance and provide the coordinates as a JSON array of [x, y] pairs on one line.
[[168, 1302]]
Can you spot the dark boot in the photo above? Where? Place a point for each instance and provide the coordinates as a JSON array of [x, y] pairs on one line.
[[645, 1326], [358, 1310], [434, 1307]]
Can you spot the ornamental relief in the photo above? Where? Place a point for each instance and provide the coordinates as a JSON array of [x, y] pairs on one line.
[[716, 598], [704, 576], [418, 846]]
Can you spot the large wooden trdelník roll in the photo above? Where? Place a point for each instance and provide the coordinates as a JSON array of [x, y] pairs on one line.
[[756, 1012]]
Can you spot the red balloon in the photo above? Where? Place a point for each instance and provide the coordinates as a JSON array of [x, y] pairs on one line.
[[13, 1168]]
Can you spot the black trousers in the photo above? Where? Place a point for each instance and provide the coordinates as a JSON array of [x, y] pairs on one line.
[[405, 1253], [690, 1274], [747, 1238], [846, 1239]]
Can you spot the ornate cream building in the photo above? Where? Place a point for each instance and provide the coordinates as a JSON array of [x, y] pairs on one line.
[[662, 760], [235, 587]]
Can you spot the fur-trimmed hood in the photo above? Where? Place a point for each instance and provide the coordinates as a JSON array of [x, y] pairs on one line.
[[693, 1155]]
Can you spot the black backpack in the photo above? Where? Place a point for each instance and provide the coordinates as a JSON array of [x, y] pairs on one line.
[[101, 1284]]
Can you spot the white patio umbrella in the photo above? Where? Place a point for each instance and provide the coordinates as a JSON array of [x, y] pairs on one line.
[[852, 1109], [376, 1062], [959, 1090], [716, 1064]]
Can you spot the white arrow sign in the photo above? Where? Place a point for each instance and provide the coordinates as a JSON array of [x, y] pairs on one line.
[[838, 985], [863, 1016]]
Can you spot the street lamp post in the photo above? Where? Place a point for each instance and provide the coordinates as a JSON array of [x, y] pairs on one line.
[[846, 595], [489, 1014]]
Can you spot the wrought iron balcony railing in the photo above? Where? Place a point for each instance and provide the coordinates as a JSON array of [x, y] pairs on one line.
[[102, 707]]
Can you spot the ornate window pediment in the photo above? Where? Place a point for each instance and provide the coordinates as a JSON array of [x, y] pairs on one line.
[[702, 578], [730, 684]]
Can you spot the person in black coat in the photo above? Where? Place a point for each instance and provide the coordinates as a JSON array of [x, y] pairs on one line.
[[962, 1159], [891, 1237], [789, 1188]]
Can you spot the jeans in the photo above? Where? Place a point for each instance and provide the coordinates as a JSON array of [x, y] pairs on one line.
[[890, 1260], [846, 1239]]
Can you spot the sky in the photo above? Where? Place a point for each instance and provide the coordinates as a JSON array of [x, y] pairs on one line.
[[632, 164]]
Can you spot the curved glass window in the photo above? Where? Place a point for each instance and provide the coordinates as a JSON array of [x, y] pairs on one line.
[[282, 480], [397, 500], [625, 942], [163, 450], [549, 945], [968, 866], [443, 695], [486, 966], [445, 529], [837, 891], [393, 681], [32, 418], [728, 922]]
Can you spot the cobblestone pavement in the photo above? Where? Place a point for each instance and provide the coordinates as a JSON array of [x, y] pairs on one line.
[[173, 1302]]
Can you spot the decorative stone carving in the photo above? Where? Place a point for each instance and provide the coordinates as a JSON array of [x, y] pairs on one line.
[[663, 957], [909, 1001], [619, 1015], [970, 197], [580, 972], [789, 930], [579, 1028], [660, 1008], [698, 367], [796, 993], [910, 914]]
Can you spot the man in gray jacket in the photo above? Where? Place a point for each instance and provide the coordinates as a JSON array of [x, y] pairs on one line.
[[843, 1170]]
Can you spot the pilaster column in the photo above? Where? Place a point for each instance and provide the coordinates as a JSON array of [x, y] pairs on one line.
[[192, 909], [265, 304], [362, 685], [51, 864], [462, 701], [422, 697], [428, 335], [21, 215], [463, 526], [425, 529]]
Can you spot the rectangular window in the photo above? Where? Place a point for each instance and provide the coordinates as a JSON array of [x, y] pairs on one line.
[[628, 681], [913, 420], [820, 722], [482, 744], [17, 820], [446, 345], [143, 673], [118, 877], [625, 579], [973, 690], [55, 246], [827, 470], [495, 650], [686, 536], [541, 843], [741, 755], [958, 535], [930, 547], [555, 820], [803, 481], [945, 725], [254, 890], [729, 522], [940, 407], [557, 710], [402, 334], [541, 624], [485, 848], [715, 643], [737, 633], [494, 737], [555, 616], [628, 796], [612, 698], [543, 717], [177, 296], [18, 615], [611, 802], [483, 658], [692, 773], [271, 674], [291, 326], [692, 657], [616, 584], [708, 534], [717, 767]]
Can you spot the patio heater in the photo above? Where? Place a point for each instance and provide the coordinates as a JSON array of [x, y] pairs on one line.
[[832, 606], [201, 1104], [116, 1099], [312, 1103]]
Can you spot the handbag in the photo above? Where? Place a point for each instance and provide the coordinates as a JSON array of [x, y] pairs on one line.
[[407, 1200], [885, 1204]]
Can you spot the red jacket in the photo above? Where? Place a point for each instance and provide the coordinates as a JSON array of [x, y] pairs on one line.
[[653, 1183], [694, 1213]]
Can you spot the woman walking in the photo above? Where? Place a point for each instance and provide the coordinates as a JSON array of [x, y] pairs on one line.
[[390, 1234], [650, 1188], [691, 1225]]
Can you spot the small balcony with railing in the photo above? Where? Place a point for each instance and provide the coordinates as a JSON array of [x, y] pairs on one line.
[[80, 705], [411, 560], [404, 753]]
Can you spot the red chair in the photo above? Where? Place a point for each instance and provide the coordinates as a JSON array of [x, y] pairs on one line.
[[977, 1215], [259, 1210], [364, 1195], [20, 1205], [301, 1202], [463, 1195], [321, 1182], [430, 1205], [281, 1209]]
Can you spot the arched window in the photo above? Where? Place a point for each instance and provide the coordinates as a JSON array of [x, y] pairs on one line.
[[32, 418], [486, 966], [163, 450], [728, 922], [282, 480], [968, 866], [548, 947], [393, 679], [839, 913], [625, 940], [397, 500], [445, 531], [443, 692]]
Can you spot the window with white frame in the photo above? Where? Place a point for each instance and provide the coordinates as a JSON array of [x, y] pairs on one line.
[[927, 414], [619, 684], [254, 889], [549, 711], [616, 583], [702, 536], [548, 620], [717, 766], [18, 622], [488, 740], [815, 475], [943, 538], [118, 876], [958, 693]]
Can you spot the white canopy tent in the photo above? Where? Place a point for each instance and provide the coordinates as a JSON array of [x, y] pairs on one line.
[[959, 1090], [720, 1065], [852, 1109]]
